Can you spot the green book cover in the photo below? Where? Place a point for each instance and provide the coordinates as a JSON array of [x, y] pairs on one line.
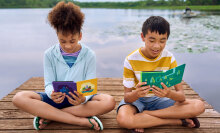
[[169, 78]]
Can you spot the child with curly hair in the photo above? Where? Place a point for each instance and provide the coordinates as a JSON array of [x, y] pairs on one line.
[[67, 61]]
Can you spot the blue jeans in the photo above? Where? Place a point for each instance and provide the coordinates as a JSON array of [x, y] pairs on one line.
[[64, 104], [149, 103]]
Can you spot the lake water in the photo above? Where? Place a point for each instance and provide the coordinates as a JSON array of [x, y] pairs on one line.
[[112, 34]]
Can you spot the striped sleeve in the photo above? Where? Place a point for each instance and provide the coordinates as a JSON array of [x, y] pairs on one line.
[[173, 62], [128, 75]]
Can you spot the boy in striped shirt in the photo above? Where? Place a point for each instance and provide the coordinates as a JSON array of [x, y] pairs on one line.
[[138, 110]]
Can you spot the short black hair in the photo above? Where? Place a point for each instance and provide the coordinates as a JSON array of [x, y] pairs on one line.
[[157, 24]]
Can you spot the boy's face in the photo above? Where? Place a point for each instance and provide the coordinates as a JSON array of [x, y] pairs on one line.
[[69, 42], [154, 44]]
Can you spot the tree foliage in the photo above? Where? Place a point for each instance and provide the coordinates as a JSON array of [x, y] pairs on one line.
[[136, 4]]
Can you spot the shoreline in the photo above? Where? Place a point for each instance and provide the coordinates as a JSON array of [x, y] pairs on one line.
[[195, 8]]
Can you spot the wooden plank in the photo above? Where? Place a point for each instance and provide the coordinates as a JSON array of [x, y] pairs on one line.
[[100, 82], [184, 130], [67, 131], [9, 97], [39, 83], [210, 113], [10, 124], [18, 114], [9, 105], [110, 92], [15, 120], [100, 87]]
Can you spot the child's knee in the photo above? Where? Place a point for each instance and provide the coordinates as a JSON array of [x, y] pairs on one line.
[[112, 102], [21, 97], [199, 106], [18, 97], [125, 121]]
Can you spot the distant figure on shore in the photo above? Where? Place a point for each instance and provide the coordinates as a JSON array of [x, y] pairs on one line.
[[188, 13], [187, 10]]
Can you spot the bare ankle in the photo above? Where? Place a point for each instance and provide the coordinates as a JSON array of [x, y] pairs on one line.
[[176, 122]]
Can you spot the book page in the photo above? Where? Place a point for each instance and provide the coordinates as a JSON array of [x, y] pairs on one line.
[[87, 87]]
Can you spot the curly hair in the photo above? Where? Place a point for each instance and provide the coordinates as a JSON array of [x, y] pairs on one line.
[[66, 18]]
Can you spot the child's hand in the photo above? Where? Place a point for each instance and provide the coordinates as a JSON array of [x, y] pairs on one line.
[[142, 91], [78, 99], [161, 92], [58, 97]]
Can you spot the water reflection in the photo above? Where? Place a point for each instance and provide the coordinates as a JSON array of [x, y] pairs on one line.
[[201, 33]]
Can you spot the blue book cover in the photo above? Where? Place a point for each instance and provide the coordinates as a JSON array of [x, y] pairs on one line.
[[64, 87], [85, 87]]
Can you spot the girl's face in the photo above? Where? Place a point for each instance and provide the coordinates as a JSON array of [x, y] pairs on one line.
[[69, 43]]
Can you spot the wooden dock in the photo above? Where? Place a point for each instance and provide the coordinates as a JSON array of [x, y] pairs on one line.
[[16, 121]]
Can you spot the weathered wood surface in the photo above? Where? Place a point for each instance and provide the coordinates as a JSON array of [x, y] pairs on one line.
[[16, 121]]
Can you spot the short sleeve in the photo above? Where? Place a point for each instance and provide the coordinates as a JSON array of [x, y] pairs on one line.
[[128, 75], [173, 62]]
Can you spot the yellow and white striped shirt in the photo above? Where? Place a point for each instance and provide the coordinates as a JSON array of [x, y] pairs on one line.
[[136, 62]]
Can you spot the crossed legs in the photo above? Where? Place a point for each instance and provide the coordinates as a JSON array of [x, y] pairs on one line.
[[76, 115], [129, 118]]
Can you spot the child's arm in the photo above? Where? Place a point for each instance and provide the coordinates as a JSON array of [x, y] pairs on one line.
[[131, 96], [90, 70], [177, 95], [91, 66], [49, 76]]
